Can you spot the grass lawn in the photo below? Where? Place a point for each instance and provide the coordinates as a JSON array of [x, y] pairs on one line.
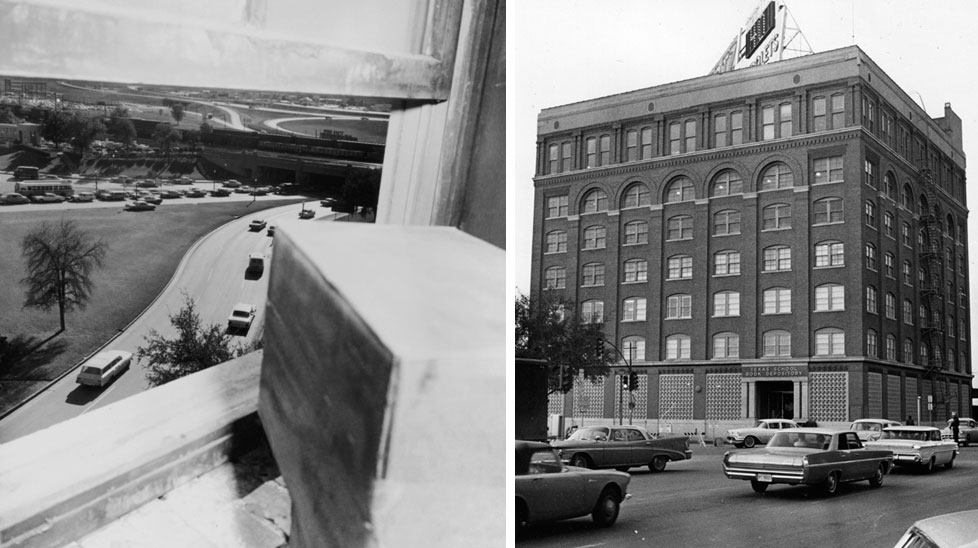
[[144, 251]]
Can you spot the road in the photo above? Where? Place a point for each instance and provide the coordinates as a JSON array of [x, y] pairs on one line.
[[692, 504], [213, 274]]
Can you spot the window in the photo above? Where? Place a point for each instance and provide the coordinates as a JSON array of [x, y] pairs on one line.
[[677, 347], [923, 313], [680, 267], [907, 197], [870, 213], [675, 138], [605, 157], [829, 254], [720, 130], [566, 157], [736, 128], [726, 263], [838, 111], [776, 217], [819, 122], [777, 258], [556, 241], [726, 222], [950, 359], [924, 354], [907, 273], [555, 277], [830, 342], [871, 256], [888, 224], [554, 158], [636, 270], [921, 277], [777, 300], [680, 190], [726, 303], [726, 345], [592, 274], [633, 309], [890, 306], [869, 173], [828, 210], [950, 326], [871, 299], [636, 195], [777, 344], [727, 183], [646, 142], [829, 297], [962, 330], [592, 152], [679, 307], [634, 348], [595, 201], [777, 176], [905, 235], [872, 344], [889, 185], [636, 232], [767, 122], [888, 264], [828, 170], [631, 145], [592, 311], [594, 237], [784, 112], [908, 311], [680, 228], [690, 140], [908, 350], [556, 207], [891, 348]]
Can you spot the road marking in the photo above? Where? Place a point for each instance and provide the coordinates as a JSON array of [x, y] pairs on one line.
[[591, 545]]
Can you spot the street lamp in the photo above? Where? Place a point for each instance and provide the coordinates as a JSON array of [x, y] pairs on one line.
[[621, 386]]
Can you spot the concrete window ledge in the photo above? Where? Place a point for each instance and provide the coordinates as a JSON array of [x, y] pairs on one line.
[[72, 478]]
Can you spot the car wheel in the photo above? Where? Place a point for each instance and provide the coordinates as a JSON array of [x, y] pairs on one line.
[[831, 484], [522, 514], [758, 486], [658, 463], [949, 464], [605, 512], [929, 467], [877, 479], [581, 461], [966, 441], [750, 441]]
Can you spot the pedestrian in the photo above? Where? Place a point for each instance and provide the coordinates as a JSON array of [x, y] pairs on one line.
[[910, 420], [955, 424]]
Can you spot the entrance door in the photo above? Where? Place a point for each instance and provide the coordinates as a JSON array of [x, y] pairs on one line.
[[775, 400]]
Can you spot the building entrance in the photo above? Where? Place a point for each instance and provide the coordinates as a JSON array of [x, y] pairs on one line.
[[775, 400]]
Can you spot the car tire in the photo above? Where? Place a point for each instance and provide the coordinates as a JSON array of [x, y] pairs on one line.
[[658, 463], [581, 461], [605, 511], [758, 486], [750, 442], [965, 442], [831, 485], [949, 464], [877, 479], [929, 467]]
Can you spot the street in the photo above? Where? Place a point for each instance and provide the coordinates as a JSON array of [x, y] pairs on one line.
[[693, 504]]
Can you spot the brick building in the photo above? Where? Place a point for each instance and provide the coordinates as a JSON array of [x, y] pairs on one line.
[[786, 240]]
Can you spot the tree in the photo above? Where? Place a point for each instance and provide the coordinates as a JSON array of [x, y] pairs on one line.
[[86, 130], [547, 328], [206, 128], [176, 110], [61, 259], [7, 116], [195, 348], [119, 112], [56, 127], [165, 135], [123, 130]]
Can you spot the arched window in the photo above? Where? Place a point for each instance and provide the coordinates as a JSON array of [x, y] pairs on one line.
[[555, 277], [777, 343], [830, 341], [889, 185], [677, 347], [556, 241], [631, 145], [726, 263], [592, 274], [950, 226], [906, 197], [777, 300], [726, 345], [908, 350], [828, 210], [727, 183], [633, 309], [726, 222], [591, 145], [594, 201], [829, 297], [891, 346], [634, 348], [777, 258], [679, 307], [592, 311], [777, 176], [726, 303], [679, 227], [553, 157], [776, 217], [594, 237], [830, 253], [872, 300], [924, 354], [870, 213], [636, 270], [872, 343], [679, 267], [923, 207], [605, 157], [636, 232], [636, 195], [679, 190]]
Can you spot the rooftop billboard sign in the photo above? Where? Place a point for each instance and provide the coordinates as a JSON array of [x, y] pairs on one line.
[[768, 35]]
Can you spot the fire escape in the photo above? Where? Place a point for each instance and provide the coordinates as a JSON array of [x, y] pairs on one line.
[[932, 292]]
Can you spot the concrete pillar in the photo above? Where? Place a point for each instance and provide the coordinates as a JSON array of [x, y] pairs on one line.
[[796, 400]]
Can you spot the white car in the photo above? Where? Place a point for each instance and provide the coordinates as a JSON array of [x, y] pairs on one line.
[[103, 367], [870, 429], [760, 434], [241, 316], [47, 198], [919, 446], [140, 205], [82, 197]]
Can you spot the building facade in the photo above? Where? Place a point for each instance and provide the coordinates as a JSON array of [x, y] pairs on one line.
[[787, 240]]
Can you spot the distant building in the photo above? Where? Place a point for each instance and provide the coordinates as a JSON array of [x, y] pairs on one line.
[[786, 240], [26, 87], [23, 133]]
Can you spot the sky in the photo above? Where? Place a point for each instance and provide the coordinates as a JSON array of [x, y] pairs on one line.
[[564, 51]]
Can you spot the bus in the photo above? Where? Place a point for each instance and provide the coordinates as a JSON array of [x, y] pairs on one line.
[[27, 172], [34, 188]]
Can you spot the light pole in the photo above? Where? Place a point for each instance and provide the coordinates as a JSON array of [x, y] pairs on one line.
[[628, 380]]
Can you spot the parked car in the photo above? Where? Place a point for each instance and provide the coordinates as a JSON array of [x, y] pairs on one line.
[[14, 198], [967, 431], [47, 198], [259, 191], [231, 184], [870, 429], [220, 192], [548, 490], [327, 202], [241, 316], [622, 447], [759, 434], [140, 205], [150, 198], [103, 367], [256, 262], [307, 213], [82, 197], [954, 530], [257, 225], [243, 189], [809, 456], [170, 194], [196, 193], [147, 183], [919, 446]]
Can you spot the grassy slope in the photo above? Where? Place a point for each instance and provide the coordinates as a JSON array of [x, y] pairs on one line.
[[145, 249]]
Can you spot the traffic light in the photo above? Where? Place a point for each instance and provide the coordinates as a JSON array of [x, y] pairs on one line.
[[598, 348], [632, 382]]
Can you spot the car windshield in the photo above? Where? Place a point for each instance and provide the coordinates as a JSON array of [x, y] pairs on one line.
[[242, 313], [544, 462], [805, 440], [594, 433], [903, 435], [864, 426]]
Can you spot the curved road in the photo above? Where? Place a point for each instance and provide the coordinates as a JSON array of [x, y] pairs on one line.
[[213, 274]]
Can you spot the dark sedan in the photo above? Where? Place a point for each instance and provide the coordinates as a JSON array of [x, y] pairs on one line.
[[622, 447]]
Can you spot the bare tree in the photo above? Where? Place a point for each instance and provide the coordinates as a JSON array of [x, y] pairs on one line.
[[60, 261]]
